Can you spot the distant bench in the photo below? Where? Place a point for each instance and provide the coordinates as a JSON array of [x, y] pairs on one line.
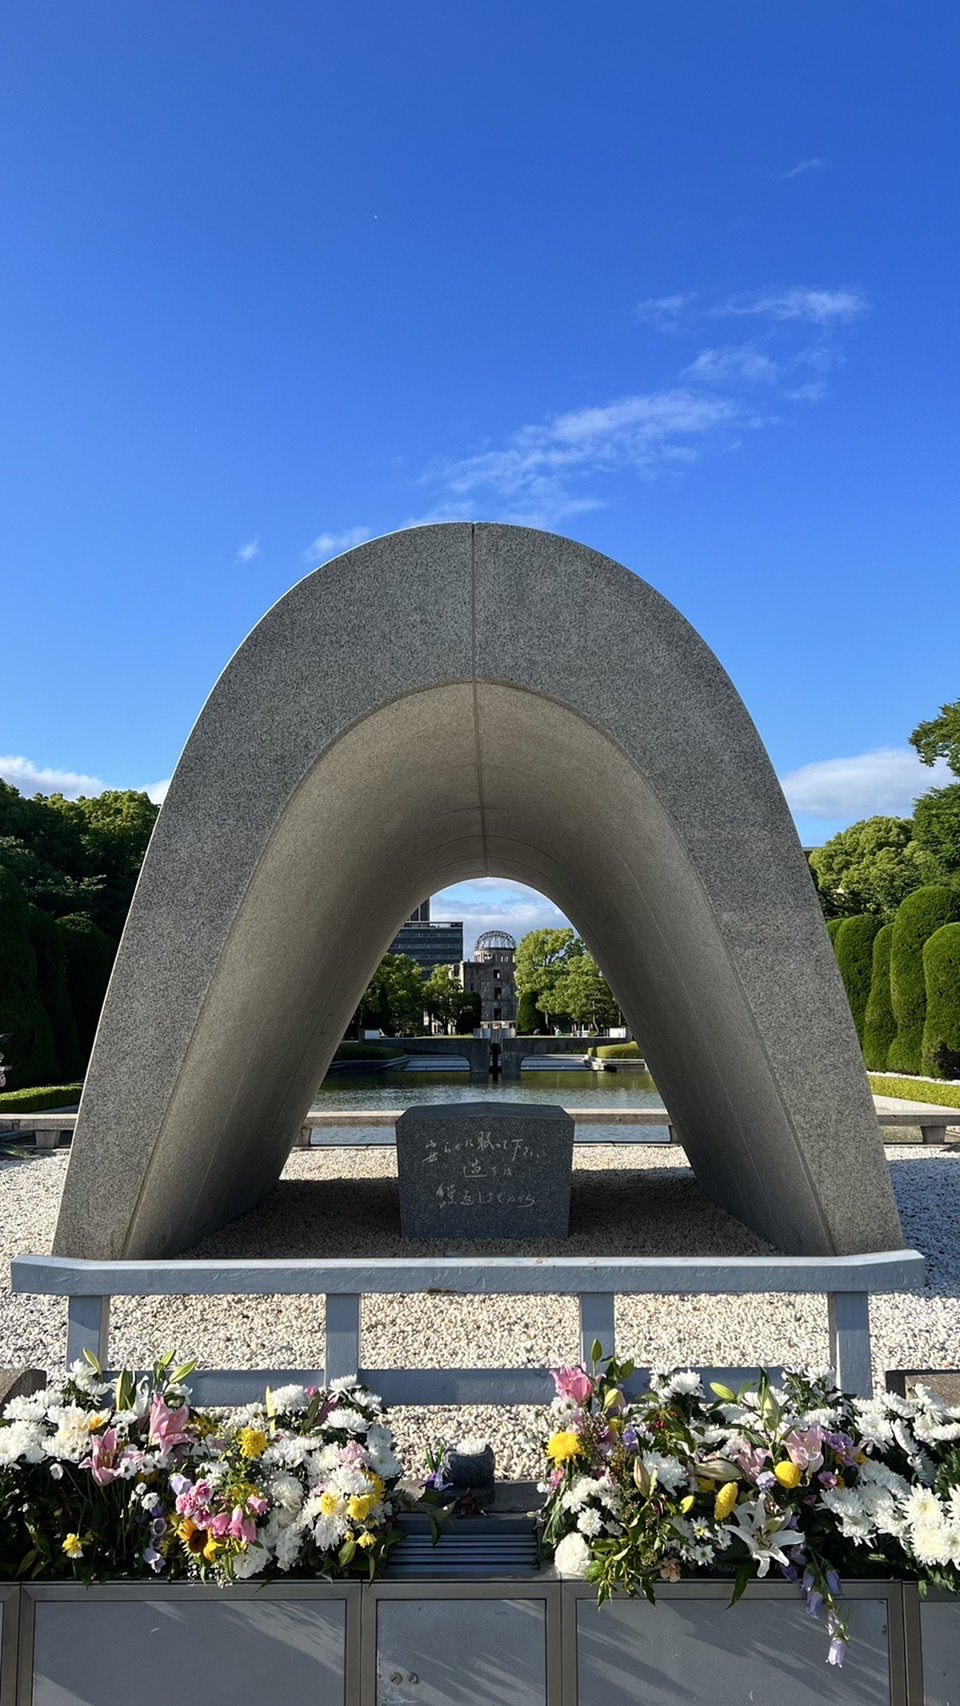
[[48, 1128]]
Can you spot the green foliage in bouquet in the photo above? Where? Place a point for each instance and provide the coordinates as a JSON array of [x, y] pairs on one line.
[[803, 1477], [105, 1480]]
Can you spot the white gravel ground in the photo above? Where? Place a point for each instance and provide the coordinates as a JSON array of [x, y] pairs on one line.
[[342, 1202]]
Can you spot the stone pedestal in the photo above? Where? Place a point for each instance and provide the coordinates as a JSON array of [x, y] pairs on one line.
[[485, 1170]]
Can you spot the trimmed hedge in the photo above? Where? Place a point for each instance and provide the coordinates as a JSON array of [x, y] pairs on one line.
[[879, 1024], [35, 1101], [530, 1020], [940, 1051], [31, 1056], [833, 925], [88, 954], [917, 918], [47, 941], [853, 946], [916, 1090], [618, 1051]]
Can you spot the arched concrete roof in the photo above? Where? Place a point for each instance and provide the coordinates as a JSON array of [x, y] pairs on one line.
[[434, 705]]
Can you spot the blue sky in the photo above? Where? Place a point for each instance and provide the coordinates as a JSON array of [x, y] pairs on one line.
[[679, 281]]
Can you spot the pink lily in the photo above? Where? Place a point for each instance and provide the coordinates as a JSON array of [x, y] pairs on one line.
[[102, 1456], [573, 1383], [805, 1447], [166, 1425]]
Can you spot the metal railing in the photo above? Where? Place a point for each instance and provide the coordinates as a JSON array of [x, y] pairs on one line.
[[847, 1282]]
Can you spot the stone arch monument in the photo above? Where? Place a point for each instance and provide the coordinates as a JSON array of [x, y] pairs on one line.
[[438, 704]]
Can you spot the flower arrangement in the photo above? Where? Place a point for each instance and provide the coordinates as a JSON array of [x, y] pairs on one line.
[[801, 1476], [124, 1479]]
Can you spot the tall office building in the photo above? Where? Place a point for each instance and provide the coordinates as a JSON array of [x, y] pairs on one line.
[[430, 944]]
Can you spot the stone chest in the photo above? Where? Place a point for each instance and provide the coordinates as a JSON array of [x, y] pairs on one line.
[[485, 1170]]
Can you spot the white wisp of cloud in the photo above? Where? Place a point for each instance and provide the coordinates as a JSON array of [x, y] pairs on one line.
[[884, 783], [32, 778]]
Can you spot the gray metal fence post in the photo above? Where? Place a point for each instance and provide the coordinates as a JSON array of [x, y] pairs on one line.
[[850, 1341], [88, 1328], [342, 1353], [596, 1322]]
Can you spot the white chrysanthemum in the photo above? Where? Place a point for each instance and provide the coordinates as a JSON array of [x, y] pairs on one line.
[[668, 1383], [928, 1540], [87, 1379], [289, 1398], [249, 1416], [669, 1471], [250, 1562], [287, 1453], [328, 1531], [346, 1420], [819, 1418], [851, 1512], [572, 1556], [578, 1494], [287, 1549], [472, 1445], [874, 1473], [24, 1439], [33, 1407], [346, 1383], [285, 1490], [590, 1522], [929, 1427], [350, 1481], [383, 1460], [607, 1492], [921, 1505]]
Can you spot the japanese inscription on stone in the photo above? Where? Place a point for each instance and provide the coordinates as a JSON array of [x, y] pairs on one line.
[[485, 1170]]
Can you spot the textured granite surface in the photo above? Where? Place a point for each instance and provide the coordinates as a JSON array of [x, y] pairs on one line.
[[485, 1170], [439, 704]]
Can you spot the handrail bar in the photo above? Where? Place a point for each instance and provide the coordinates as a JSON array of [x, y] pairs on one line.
[[887, 1270]]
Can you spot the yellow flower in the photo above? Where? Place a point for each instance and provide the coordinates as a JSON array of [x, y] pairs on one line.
[[562, 1446], [98, 1419], [787, 1473], [253, 1443], [359, 1508], [367, 1539], [378, 1485], [185, 1528], [73, 1546], [725, 1501], [330, 1504], [212, 1550]]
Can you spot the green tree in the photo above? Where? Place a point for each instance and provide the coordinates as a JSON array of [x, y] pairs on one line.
[[936, 828], [443, 995], [88, 959], [393, 1001], [584, 994], [879, 1024], [853, 945], [940, 737], [917, 918], [543, 957], [30, 1053], [468, 1012], [940, 1052], [871, 867]]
